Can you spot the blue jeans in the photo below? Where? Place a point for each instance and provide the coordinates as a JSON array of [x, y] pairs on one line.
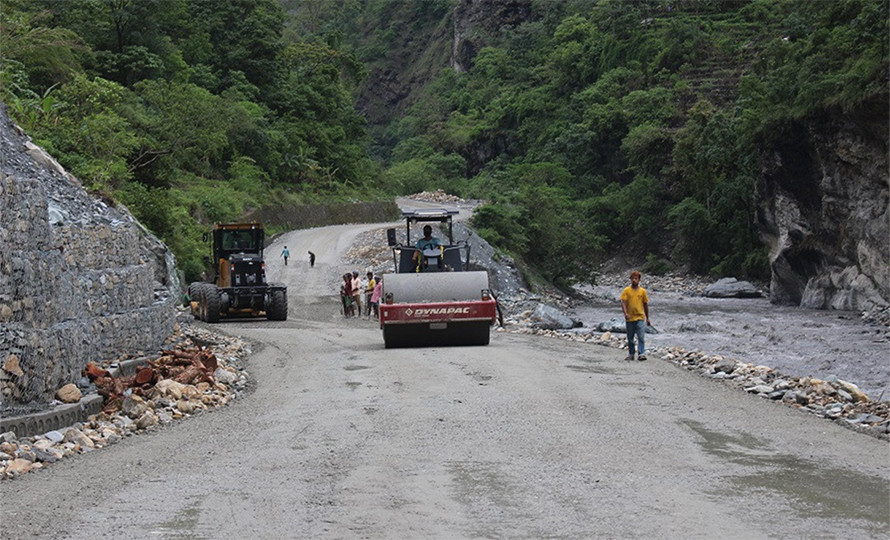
[[636, 328]]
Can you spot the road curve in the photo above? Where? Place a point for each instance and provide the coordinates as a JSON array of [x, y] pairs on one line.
[[528, 437]]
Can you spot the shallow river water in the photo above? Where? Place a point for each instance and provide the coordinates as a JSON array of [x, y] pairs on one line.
[[793, 340]]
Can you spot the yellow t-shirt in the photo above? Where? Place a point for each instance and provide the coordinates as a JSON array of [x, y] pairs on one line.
[[635, 299]]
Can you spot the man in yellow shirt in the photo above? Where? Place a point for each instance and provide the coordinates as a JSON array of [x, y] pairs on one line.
[[635, 304]]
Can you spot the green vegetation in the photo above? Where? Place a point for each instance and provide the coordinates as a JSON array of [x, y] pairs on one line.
[[619, 126], [593, 127], [187, 111]]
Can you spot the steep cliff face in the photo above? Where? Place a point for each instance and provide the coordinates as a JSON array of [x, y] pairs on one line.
[[416, 55], [80, 280], [822, 199], [476, 21]]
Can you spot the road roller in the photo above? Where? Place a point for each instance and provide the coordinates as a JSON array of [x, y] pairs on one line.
[[433, 298]]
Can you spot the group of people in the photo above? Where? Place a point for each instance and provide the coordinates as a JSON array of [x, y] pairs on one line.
[[634, 300], [351, 291]]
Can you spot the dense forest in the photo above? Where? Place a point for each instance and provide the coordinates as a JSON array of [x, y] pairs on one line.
[[591, 127]]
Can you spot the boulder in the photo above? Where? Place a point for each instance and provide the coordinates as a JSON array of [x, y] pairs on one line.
[[69, 393], [730, 287], [618, 325], [612, 325], [547, 317]]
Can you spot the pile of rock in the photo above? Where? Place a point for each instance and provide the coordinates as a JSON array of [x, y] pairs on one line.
[[681, 283], [833, 398], [165, 402], [370, 252], [438, 196]]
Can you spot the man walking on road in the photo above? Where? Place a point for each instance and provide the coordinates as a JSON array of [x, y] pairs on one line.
[[285, 253], [311, 260], [635, 304]]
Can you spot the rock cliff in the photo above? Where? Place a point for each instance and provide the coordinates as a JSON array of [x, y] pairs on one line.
[[822, 209], [416, 56], [476, 21], [80, 280]]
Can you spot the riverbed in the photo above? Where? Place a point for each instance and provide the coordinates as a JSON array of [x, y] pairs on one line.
[[795, 341]]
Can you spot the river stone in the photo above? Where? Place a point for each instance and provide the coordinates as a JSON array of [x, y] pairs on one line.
[[549, 318], [693, 327], [612, 325], [731, 288], [725, 365]]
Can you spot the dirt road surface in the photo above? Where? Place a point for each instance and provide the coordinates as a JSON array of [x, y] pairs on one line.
[[526, 438]]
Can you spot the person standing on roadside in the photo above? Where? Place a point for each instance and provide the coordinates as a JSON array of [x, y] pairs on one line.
[[357, 293], [369, 291], [311, 260], [635, 304], [285, 253], [375, 297], [346, 295]]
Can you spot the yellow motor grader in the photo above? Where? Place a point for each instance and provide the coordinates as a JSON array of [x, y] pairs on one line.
[[237, 284]]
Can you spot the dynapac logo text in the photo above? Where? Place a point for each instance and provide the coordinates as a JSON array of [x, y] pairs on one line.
[[423, 312]]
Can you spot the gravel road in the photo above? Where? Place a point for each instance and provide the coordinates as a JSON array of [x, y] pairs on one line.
[[525, 438]]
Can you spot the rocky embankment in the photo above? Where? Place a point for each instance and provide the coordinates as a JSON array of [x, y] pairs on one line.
[[201, 370], [79, 278], [830, 397]]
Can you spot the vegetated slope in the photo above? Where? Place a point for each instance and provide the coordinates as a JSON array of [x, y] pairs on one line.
[[634, 127], [595, 127], [188, 111]]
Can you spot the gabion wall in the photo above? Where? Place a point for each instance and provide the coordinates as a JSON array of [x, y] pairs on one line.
[[80, 280]]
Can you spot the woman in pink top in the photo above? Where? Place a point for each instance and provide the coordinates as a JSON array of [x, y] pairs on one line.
[[375, 296]]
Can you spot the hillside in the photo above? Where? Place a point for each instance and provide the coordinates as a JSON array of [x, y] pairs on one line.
[[651, 130], [671, 134]]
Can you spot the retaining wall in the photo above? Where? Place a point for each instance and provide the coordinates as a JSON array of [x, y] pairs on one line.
[[80, 280]]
